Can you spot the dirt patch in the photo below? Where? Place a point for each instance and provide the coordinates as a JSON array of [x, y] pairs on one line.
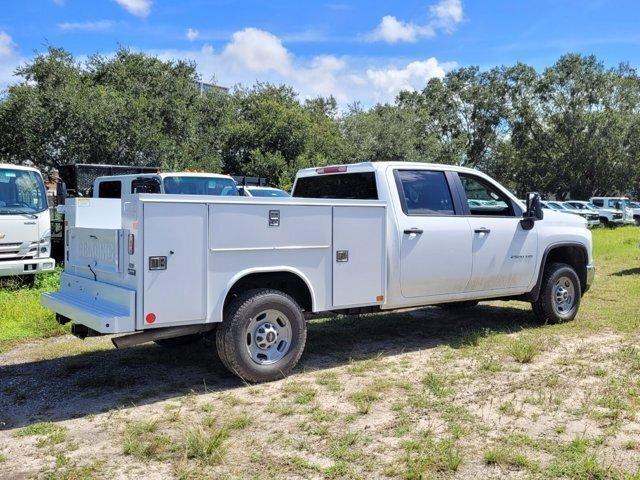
[[404, 395]]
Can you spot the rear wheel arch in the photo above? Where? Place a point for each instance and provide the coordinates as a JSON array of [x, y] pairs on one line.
[[288, 281]]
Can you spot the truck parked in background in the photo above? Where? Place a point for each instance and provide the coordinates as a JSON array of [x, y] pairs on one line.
[[609, 217], [592, 218], [635, 208], [25, 228], [250, 191], [354, 238], [177, 183], [619, 204]]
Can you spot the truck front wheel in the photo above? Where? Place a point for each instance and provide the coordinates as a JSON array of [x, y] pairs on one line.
[[262, 336], [560, 294]]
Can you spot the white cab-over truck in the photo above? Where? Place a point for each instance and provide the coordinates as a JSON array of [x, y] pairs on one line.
[[25, 226], [355, 238]]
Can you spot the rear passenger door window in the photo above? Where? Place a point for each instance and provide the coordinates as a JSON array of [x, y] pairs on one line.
[[424, 192], [435, 240], [145, 185]]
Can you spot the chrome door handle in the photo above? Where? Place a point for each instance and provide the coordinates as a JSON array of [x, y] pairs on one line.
[[417, 231], [482, 230]]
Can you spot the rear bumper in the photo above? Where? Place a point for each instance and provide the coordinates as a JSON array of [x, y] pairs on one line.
[[26, 267], [99, 306], [591, 273]]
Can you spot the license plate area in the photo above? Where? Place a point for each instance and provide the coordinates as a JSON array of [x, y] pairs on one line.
[[98, 248]]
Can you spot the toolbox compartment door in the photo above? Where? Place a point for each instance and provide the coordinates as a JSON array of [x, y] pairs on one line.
[[175, 264], [358, 255]]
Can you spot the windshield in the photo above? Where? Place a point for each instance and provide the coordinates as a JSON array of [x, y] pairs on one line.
[[225, 187], [618, 203], [21, 191], [581, 206], [267, 192], [556, 206]]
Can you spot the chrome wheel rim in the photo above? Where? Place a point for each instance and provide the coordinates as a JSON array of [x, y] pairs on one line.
[[564, 295], [268, 337]]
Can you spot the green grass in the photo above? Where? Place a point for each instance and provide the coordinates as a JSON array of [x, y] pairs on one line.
[[21, 315], [142, 440], [523, 350], [425, 457]]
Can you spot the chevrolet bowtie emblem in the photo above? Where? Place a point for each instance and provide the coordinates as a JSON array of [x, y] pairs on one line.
[[2, 235]]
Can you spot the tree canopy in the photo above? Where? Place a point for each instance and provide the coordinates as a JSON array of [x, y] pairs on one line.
[[571, 130]]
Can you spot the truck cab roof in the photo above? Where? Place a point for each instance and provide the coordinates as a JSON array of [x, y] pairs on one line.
[[373, 166], [19, 167], [162, 175]]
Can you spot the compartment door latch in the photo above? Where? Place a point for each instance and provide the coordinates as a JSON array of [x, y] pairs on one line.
[[274, 218]]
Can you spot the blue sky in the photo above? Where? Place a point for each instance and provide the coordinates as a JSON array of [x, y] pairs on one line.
[[357, 50]]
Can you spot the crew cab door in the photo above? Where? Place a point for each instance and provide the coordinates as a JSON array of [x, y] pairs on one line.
[[435, 243], [504, 254]]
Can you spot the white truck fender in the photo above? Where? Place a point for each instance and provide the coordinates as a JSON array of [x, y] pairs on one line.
[[249, 271]]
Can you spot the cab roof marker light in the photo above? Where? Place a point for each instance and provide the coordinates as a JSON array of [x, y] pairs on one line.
[[333, 169]]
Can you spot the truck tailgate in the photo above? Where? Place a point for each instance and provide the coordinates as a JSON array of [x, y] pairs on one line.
[[96, 248]]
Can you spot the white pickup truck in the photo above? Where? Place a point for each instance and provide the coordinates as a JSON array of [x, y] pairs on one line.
[[176, 183], [25, 227], [354, 238]]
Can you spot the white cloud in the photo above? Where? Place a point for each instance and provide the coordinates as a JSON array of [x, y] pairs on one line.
[[444, 15], [255, 55], [392, 30], [97, 26], [9, 60], [448, 13], [257, 51], [139, 8], [192, 34], [389, 82], [6, 45]]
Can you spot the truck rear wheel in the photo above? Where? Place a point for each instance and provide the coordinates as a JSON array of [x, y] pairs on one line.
[[560, 294], [262, 336]]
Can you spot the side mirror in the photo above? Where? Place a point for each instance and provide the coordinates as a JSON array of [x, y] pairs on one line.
[[534, 211]]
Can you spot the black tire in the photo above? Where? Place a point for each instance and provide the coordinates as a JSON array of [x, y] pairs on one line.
[[232, 336], [546, 308], [605, 222], [179, 341], [456, 306]]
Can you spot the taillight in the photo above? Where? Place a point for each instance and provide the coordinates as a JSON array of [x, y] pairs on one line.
[[333, 169], [131, 243]]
